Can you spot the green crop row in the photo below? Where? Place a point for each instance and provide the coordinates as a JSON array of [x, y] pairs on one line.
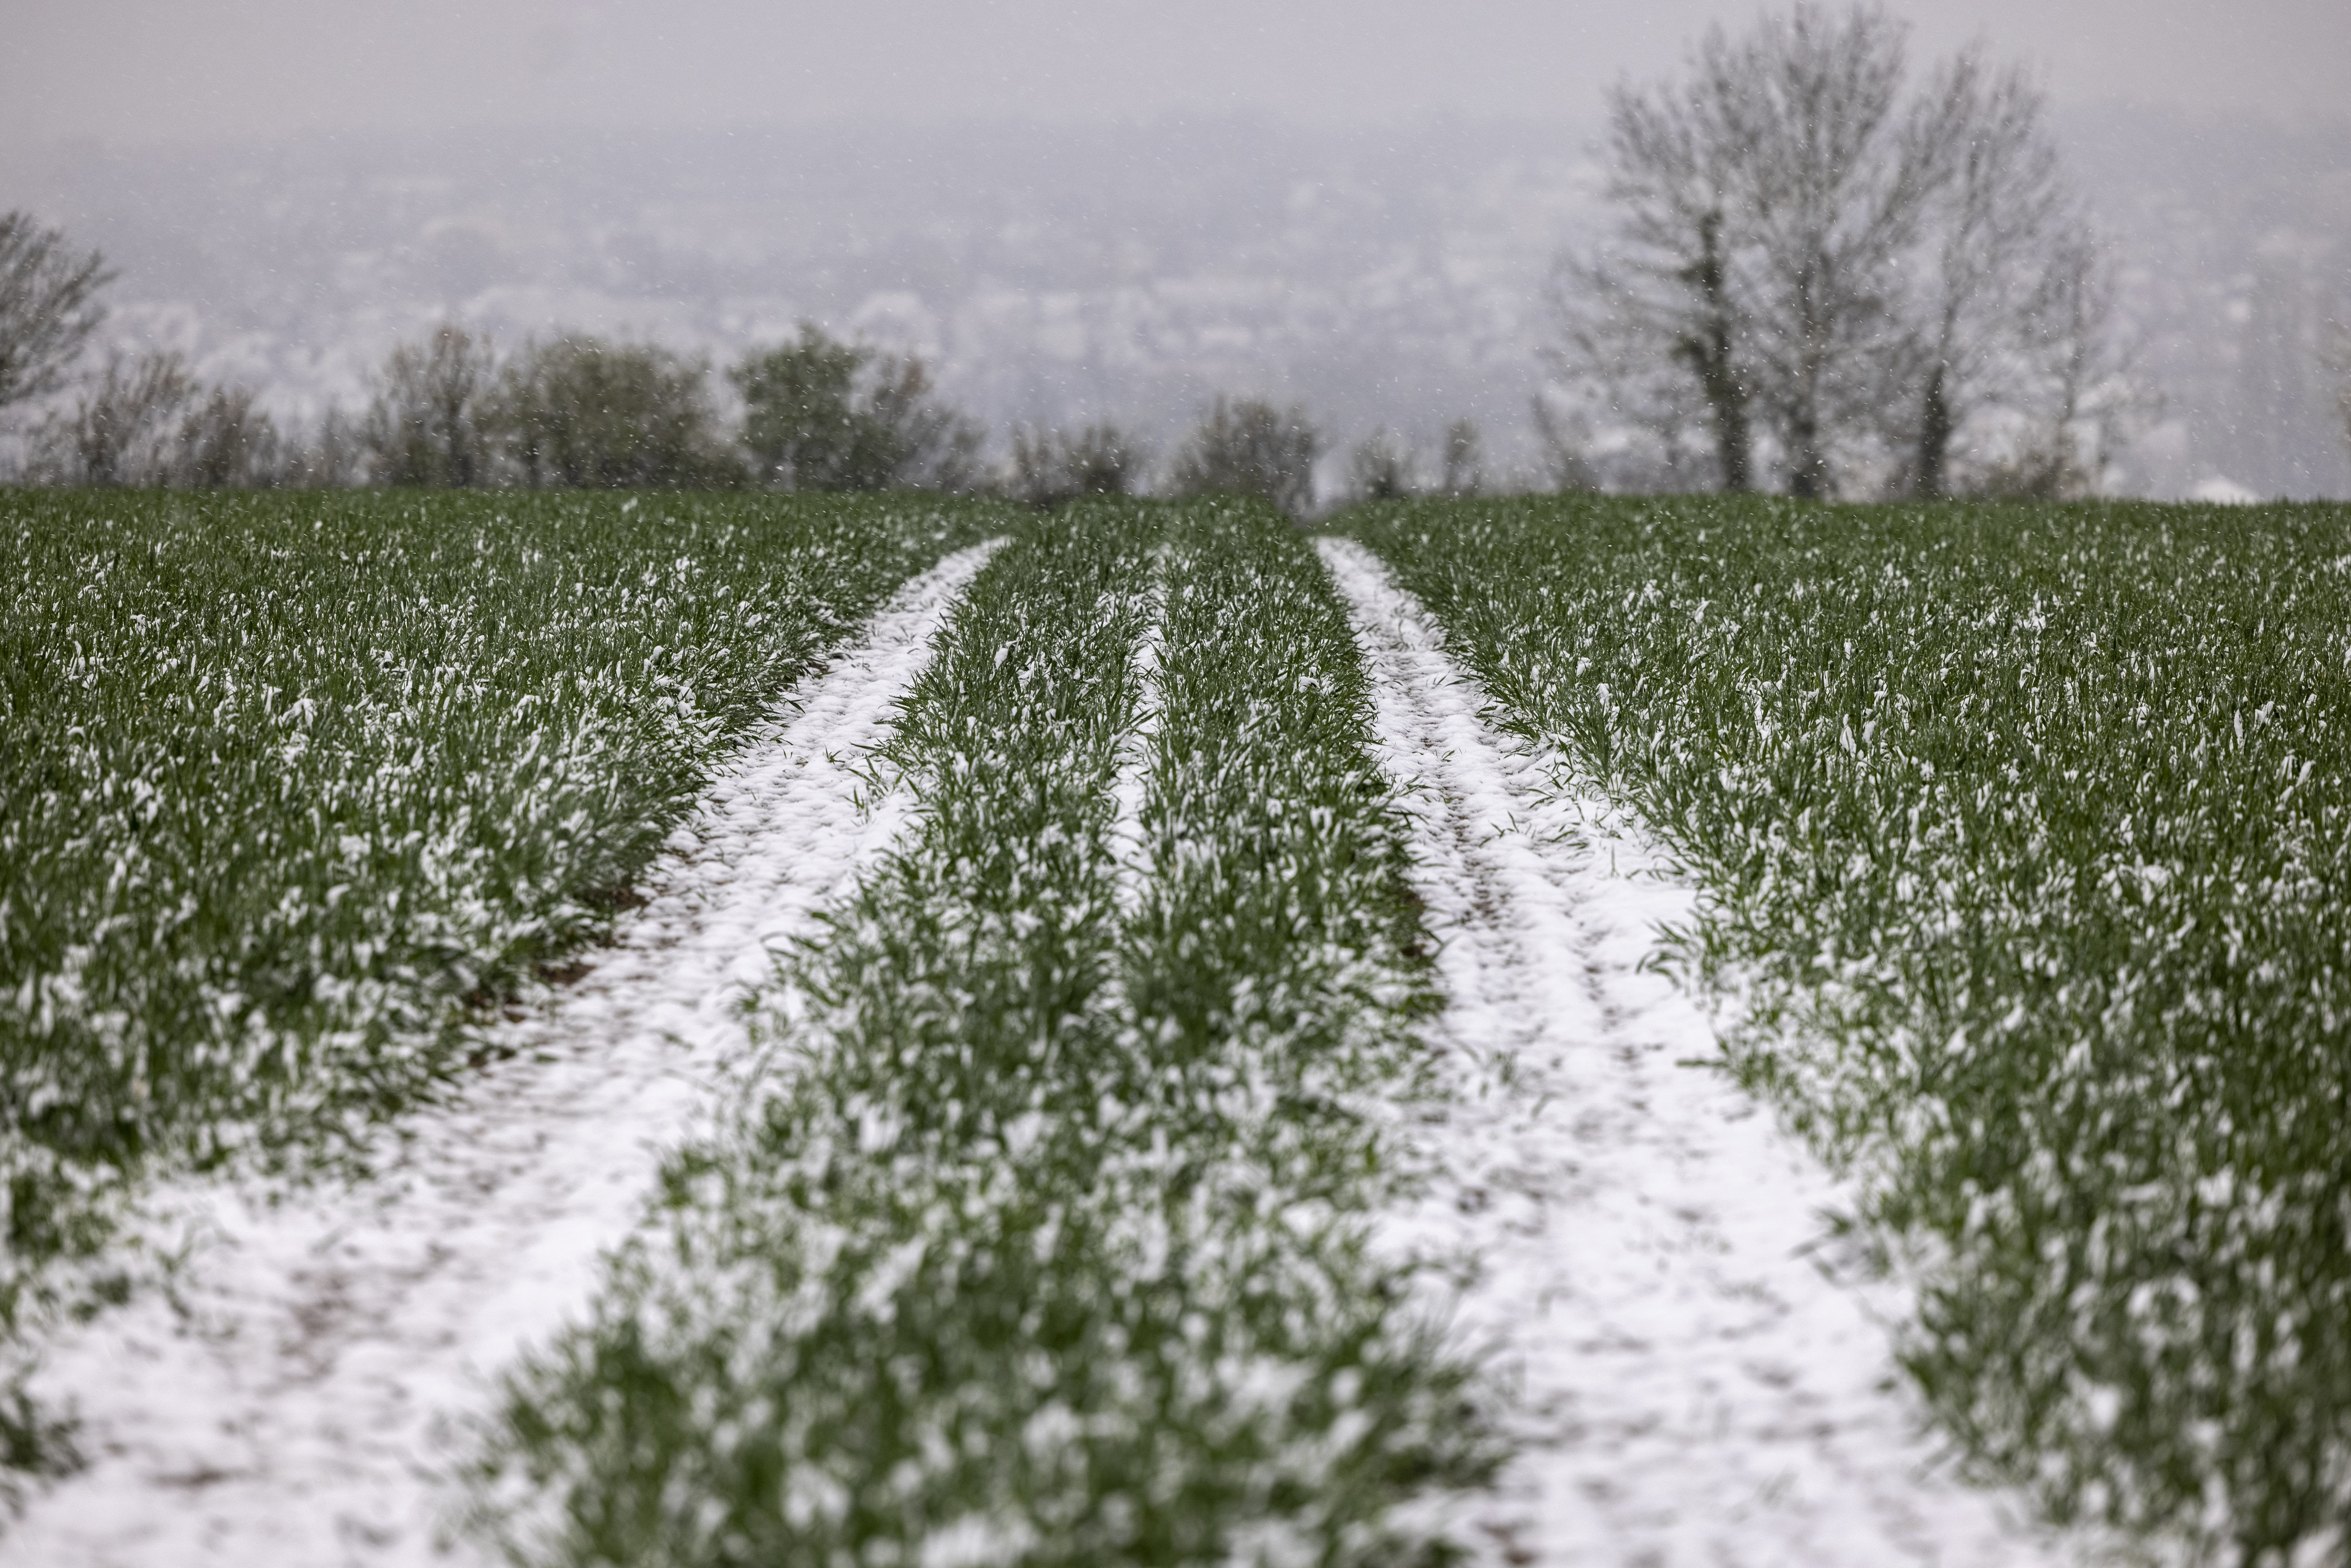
[[1043, 1237], [289, 786], [2025, 843]]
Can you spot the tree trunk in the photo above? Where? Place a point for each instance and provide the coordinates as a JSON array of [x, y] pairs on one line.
[[1808, 461], [1934, 435], [1808, 465], [1707, 352]]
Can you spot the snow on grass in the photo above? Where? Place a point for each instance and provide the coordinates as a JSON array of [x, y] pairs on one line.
[[294, 786], [2019, 833], [290, 1399], [1049, 1244], [1129, 784], [842, 1330], [1641, 1248]]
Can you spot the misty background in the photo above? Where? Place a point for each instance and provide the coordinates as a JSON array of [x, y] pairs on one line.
[[1114, 212]]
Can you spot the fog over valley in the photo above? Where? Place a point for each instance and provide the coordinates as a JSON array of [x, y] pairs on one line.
[[1111, 212], [1384, 277]]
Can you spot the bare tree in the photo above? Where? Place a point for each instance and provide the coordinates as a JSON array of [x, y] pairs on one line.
[[2086, 396], [1566, 441], [332, 455], [1051, 466], [125, 428], [1995, 308], [48, 307], [228, 442], [1816, 273], [424, 422], [1656, 320], [931, 446], [1383, 466], [821, 414], [1465, 459], [582, 412], [1830, 193], [149, 422], [1248, 448]]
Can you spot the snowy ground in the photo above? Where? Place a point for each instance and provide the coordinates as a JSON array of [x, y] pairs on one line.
[[1637, 1237], [293, 1403], [1697, 1389]]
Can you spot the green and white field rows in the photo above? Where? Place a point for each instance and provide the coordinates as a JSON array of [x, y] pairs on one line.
[[1098, 1178], [286, 1393], [1046, 1243], [297, 787], [1697, 1373], [2025, 843]]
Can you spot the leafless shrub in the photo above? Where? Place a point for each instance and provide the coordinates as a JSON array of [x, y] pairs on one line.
[[1052, 466], [123, 428], [1383, 466], [228, 442], [427, 422], [149, 422], [1464, 460], [1246, 447], [48, 307]]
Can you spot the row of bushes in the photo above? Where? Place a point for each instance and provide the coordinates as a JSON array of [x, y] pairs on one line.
[[449, 411], [578, 411], [582, 411]]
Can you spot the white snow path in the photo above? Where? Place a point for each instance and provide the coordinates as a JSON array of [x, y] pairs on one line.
[[1132, 783], [294, 1404], [1636, 1234]]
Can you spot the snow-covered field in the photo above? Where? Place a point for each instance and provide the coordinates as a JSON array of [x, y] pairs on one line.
[[292, 1400], [1642, 1246], [1638, 1244]]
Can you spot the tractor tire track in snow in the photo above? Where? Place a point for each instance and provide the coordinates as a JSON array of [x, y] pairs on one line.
[[293, 1402], [1633, 1234]]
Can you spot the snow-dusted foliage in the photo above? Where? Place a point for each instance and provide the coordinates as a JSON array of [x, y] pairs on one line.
[[297, 790], [2023, 840], [1701, 1371], [1142, 1057], [1046, 1240], [288, 1398]]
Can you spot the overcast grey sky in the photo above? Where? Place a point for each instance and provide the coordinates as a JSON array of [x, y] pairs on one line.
[[147, 70]]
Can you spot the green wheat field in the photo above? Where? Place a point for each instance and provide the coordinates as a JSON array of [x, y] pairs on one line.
[[2021, 837]]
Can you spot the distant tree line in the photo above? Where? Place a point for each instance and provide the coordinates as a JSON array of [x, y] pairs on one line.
[[569, 411], [1822, 276], [448, 411]]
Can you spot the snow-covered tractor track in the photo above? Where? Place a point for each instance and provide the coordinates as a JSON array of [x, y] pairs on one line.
[[1637, 1237], [290, 1401]]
